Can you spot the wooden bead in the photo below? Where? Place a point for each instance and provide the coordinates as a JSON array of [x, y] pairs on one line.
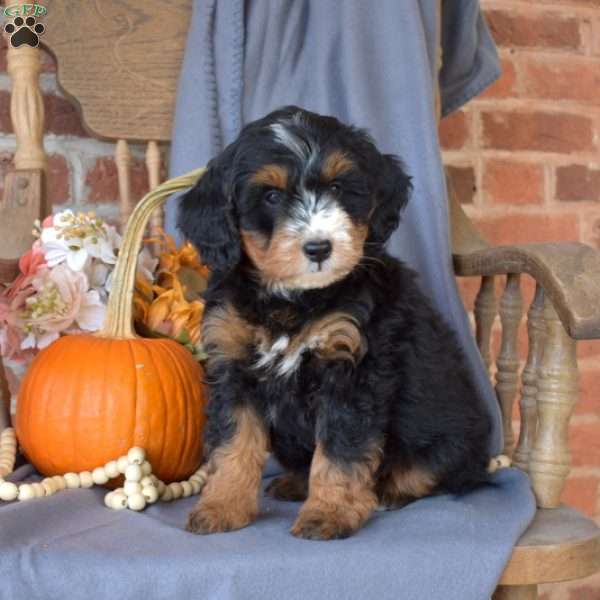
[[146, 468], [167, 494], [60, 482], [136, 502], [176, 489], [8, 491], [136, 455], [161, 487], [72, 480], [196, 486], [38, 490], [150, 493], [118, 500], [49, 486], [132, 487], [112, 469], [186, 487], [147, 481], [108, 499], [26, 492], [133, 473], [503, 461], [86, 480], [99, 476], [122, 464]]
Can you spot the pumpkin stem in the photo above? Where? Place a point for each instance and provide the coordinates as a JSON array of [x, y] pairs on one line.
[[119, 314]]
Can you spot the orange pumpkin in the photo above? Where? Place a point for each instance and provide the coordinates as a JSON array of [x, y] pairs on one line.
[[87, 399]]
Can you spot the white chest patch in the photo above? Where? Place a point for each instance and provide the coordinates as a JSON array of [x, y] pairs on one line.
[[279, 358]]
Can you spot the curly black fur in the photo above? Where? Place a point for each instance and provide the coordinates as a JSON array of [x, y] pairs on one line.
[[411, 393]]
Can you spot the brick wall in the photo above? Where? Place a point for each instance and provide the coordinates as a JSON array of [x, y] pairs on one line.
[[525, 161], [524, 158]]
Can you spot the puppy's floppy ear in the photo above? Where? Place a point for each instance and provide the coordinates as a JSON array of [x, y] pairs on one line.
[[393, 194], [207, 215]]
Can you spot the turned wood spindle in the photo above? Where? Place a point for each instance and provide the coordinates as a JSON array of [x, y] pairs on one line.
[[485, 310], [123, 162], [507, 376], [557, 387], [26, 106], [536, 332], [153, 166]]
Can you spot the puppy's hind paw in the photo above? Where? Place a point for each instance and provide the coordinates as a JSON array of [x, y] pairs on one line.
[[316, 525], [207, 518]]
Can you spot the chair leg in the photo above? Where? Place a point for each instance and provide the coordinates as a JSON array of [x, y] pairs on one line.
[[516, 592]]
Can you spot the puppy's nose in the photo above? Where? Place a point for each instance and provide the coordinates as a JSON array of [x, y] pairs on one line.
[[317, 250]]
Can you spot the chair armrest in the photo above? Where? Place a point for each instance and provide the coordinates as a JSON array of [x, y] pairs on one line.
[[569, 272]]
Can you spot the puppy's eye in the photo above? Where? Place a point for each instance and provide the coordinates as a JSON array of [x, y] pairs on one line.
[[335, 188], [273, 197]]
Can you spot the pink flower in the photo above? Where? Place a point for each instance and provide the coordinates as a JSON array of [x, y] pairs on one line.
[[62, 303], [29, 265]]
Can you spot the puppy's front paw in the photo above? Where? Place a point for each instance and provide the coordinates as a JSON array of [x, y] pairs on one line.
[[314, 524], [212, 518]]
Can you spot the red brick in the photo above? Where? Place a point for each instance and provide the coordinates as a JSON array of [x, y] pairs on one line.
[[462, 182], [544, 132], [454, 131], [102, 181], [58, 181], [573, 79], [506, 86], [588, 349], [589, 390], [584, 442], [543, 30], [585, 592], [526, 182], [580, 493], [578, 183], [527, 228], [62, 117]]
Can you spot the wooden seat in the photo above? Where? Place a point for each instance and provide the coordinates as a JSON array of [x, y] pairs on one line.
[[119, 63], [561, 544]]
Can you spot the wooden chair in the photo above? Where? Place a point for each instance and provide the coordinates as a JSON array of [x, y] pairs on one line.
[[120, 63]]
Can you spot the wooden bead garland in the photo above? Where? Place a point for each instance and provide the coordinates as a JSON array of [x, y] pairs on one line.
[[141, 487]]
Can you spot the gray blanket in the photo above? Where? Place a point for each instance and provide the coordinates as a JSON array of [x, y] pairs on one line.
[[371, 63]]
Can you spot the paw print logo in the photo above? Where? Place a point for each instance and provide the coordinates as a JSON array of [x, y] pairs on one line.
[[24, 31]]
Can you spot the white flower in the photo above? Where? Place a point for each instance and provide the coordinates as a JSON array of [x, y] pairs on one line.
[[58, 250]]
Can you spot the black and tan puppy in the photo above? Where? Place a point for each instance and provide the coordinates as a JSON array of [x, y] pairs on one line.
[[321, 347]]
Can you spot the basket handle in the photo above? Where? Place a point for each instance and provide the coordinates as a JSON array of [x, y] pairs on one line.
[[119, 313]]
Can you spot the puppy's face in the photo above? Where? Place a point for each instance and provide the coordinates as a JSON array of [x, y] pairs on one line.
[[299, 194]]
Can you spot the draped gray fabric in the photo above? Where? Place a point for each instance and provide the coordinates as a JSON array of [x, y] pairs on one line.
[[371, 63]]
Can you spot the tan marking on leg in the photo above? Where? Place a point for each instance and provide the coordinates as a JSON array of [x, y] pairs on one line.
[[398, 487], [340, 500], [337, 163], [230, 498], [271, 175], [226, 335]]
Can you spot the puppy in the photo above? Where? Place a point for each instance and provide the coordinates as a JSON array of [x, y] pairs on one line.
[[321, 347]]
